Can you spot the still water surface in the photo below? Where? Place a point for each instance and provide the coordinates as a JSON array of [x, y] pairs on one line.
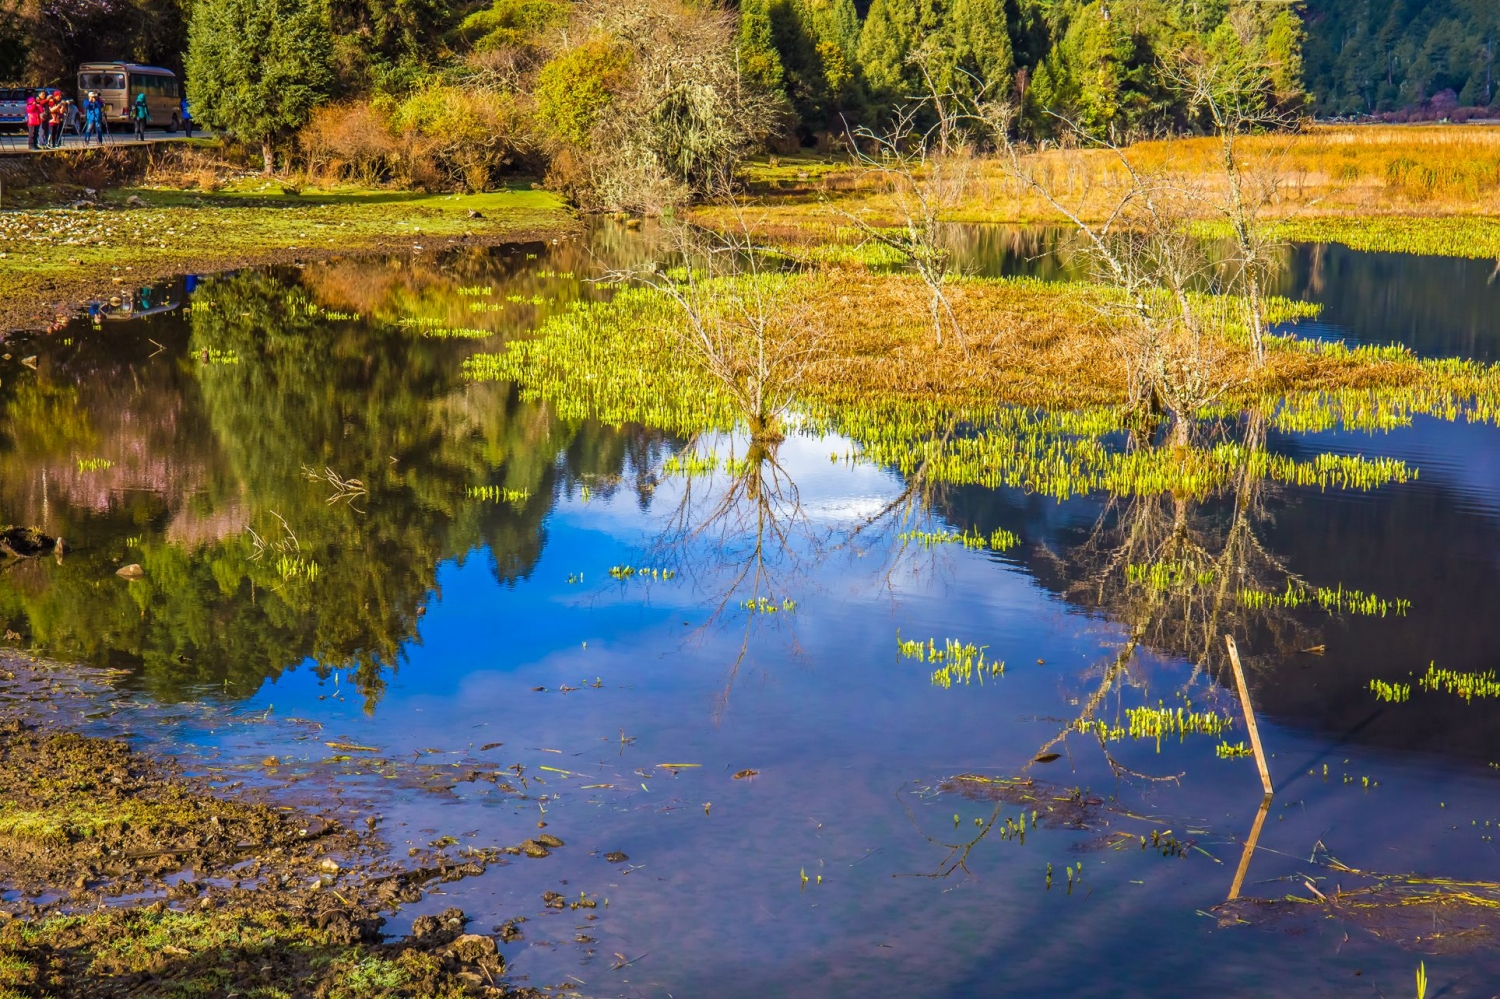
[[343, 541]]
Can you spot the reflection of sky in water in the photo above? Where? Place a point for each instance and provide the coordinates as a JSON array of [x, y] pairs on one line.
[[849, 740], [842, 734]]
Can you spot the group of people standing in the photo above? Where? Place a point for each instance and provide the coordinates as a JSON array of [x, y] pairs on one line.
[[48, 113]]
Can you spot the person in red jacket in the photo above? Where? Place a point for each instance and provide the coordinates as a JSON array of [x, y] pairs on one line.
[[33, 120]]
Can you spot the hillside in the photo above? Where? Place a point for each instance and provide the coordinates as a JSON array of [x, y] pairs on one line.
[[1371, 56]]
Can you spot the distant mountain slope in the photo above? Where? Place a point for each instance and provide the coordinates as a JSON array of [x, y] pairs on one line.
[[1383, 55]]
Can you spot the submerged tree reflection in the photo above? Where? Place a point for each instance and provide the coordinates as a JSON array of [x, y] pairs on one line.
[[740, 534]]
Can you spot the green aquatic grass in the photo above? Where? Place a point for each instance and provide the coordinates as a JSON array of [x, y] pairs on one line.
[[1335, 600], [1453, 236], [957, 662], [690, 464], [498, 494], [1465, 685], [1157, 724], [764, 605], [624, 362]]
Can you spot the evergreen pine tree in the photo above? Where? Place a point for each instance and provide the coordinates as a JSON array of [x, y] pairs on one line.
[[258, 67], [760, 62], [979, 40], [892, 32], [817, 41]]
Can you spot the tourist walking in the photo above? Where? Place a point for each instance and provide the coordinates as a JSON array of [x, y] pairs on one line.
[[141, 114], [33, 121]]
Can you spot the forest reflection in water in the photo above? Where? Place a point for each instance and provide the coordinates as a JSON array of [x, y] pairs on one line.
[[307, 481], [215, 447]]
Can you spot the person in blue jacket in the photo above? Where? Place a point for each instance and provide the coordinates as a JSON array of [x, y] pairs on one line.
[[93, 118]]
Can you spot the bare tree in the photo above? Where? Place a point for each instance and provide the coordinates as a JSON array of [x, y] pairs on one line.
[[928, 171], [1233, 94], [1168, 336], [747, 319]]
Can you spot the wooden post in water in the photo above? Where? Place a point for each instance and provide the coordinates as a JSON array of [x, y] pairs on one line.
[[1239, 679], [1244, 868]]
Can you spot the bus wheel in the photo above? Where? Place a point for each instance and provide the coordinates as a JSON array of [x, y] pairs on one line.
[[176, 123]]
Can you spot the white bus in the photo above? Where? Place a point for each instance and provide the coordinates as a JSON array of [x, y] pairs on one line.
[[118, 83]]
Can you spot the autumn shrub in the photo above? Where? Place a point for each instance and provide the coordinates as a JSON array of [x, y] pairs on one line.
[[512, 23], [469, 134], [349, 141], [677, 123]]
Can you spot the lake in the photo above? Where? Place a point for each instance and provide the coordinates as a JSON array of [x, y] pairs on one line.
[[799, 737]]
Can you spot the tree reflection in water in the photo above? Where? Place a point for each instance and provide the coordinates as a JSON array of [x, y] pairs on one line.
[[1171, 572], [251, 566], [741, 535]]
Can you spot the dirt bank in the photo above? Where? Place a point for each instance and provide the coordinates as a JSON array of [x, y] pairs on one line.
[[126, 876]]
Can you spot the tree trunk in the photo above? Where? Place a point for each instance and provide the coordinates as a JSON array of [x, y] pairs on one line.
[[268, 154]]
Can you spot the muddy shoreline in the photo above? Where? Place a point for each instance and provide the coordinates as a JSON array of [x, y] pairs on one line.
[[124, 875]]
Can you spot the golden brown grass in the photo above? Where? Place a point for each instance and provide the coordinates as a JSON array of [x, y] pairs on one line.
[[1321, 172], [1036, 344]]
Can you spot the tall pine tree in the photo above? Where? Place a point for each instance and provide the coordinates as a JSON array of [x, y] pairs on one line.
[[979, 42], [760, 62], [257, 68], [892, 32]]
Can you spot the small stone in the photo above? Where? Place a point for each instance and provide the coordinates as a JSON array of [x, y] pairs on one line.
[[131, 571]]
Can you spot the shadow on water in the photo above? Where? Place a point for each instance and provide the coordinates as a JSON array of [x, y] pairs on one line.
[[885, 735]]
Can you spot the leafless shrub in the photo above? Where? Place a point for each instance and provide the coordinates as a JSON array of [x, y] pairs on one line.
[[747, 320], [349, 141]]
